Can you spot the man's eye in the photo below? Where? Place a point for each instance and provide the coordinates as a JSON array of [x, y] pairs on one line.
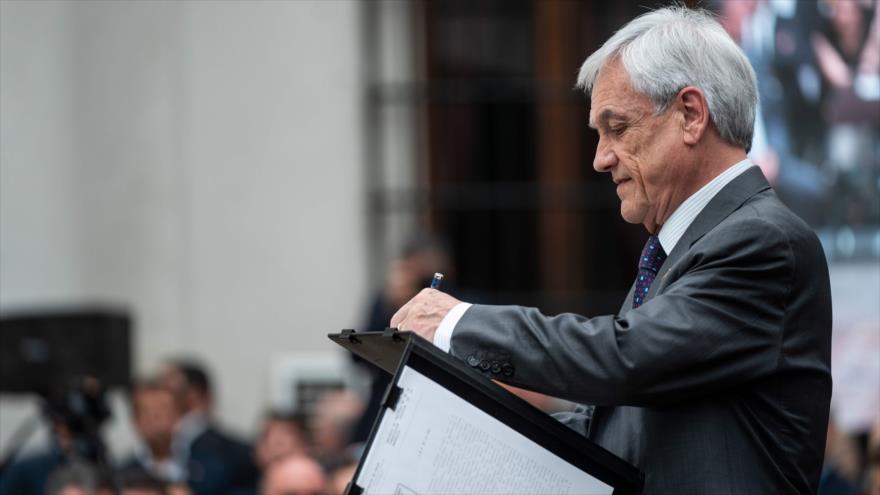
[[618, 130]]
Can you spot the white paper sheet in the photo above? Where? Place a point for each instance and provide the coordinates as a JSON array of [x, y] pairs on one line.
[[435, 442]]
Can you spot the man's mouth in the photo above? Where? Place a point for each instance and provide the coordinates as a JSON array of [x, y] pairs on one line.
[[621, 186]]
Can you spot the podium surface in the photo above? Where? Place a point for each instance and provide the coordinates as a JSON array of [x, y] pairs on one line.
[[445, 428]]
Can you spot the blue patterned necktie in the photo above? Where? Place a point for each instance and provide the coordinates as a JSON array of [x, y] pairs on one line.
[[649, 264]]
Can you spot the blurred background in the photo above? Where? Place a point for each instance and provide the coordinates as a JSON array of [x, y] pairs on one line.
[[207, 188]]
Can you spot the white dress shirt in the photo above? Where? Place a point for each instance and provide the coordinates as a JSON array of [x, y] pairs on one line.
[[670, 233], [190, 427], [169, 469]]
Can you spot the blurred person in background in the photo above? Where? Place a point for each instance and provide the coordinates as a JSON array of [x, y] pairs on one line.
[[29, 474], [873, 475], [215, 462], [333, 421], [406, 275], [77, 478], [281, 435], [74, 410], [294, 475], [156, 414], [135, 480], [848, 55], [754, 25], [840, 472]]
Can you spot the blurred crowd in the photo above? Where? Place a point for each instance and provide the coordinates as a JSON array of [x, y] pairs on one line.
[[182, 450]]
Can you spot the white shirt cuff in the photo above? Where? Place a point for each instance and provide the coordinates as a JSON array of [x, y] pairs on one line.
[[443, 335]]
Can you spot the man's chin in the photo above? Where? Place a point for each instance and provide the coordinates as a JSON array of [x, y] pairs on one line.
[[630, 216]]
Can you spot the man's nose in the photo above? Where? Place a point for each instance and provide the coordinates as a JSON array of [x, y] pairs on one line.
[[605, 158]]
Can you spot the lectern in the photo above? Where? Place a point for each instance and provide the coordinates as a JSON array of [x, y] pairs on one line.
[[445, 428]]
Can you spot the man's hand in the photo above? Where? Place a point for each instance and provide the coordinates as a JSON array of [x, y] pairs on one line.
[[423, 313]]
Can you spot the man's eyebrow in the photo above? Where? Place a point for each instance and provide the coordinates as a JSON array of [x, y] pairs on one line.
[[605, 116]]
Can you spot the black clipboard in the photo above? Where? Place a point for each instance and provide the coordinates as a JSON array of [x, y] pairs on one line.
[[393, 351]]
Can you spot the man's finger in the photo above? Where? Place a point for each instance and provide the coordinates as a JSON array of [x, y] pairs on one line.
[[400, 315]]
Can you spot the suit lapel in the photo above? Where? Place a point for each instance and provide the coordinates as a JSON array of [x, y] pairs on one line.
[[728, 200]]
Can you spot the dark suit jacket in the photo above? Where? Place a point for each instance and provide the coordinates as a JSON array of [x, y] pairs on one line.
[[219, 464], [28, 476], [720, 382]]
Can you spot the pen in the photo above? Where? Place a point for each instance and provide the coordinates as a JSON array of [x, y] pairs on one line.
[[436, 281]]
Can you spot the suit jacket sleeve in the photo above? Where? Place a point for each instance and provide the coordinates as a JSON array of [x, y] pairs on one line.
[[717, 322]]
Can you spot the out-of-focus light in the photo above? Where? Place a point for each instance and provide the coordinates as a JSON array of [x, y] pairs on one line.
[[784, 8]]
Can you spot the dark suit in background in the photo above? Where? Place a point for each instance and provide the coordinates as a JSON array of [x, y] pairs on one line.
[[720, 382], [28, 475], [220, 464]]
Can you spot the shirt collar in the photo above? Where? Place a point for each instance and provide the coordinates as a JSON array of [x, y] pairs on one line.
[[683, 216], [170, 469], [190, 426]]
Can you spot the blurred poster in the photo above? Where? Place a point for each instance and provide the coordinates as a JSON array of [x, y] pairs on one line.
[[816, 139]]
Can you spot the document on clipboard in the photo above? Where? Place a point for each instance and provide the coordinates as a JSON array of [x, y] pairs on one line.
[[435, 442], [447, 429]]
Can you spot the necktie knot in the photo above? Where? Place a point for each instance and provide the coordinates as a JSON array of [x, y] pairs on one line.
[[650, 262]]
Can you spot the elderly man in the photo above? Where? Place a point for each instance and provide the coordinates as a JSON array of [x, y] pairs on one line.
[[214, 461], [156, 414], [714, 377]]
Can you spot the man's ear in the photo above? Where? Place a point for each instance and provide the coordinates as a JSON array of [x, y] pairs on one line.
[[695, 110]]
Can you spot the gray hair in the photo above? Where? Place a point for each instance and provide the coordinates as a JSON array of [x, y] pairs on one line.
[[668, 49]]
